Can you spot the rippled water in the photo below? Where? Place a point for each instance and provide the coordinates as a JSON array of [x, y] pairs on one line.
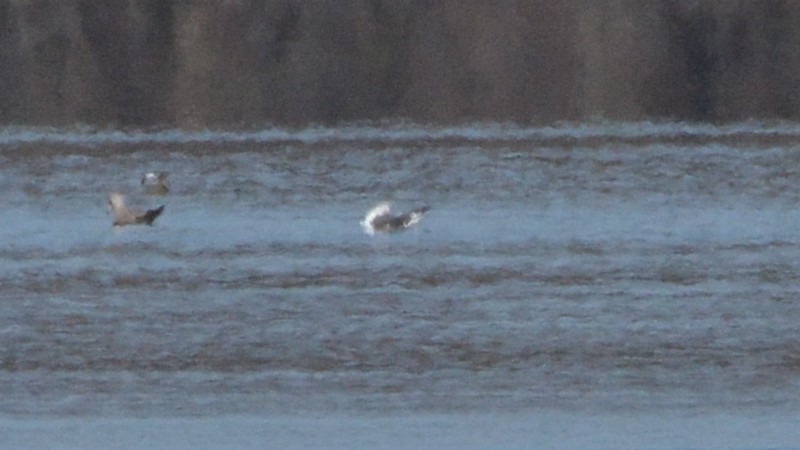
[[600, 267]]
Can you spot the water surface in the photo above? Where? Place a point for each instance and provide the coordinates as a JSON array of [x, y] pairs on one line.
[[605, 267]]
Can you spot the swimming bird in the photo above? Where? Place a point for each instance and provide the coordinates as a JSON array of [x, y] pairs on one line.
[[380, 219], [125, 216], [155, 183]]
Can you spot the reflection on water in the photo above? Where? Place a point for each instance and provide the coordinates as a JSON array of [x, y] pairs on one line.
[[593, 266]]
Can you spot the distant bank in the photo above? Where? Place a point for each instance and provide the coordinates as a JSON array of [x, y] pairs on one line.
[[245, 63]]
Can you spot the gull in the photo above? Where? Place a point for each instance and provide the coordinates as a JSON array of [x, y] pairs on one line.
[[124, 216], [380, 219], [155, 183]]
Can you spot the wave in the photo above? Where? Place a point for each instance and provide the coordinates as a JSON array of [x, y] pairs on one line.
[[404, 133]]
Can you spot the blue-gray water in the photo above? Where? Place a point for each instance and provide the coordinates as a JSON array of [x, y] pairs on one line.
[[595, 267]]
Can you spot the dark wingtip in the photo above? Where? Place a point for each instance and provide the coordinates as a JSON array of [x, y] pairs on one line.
[[151, 215]]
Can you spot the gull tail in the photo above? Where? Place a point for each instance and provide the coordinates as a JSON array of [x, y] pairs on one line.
[[152, 214], [416, 215]]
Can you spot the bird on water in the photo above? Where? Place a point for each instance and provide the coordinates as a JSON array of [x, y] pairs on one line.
[[155, 183], [126, 216], [380, 219]]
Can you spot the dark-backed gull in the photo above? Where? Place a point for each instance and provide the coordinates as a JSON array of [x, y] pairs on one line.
[[380, 219]]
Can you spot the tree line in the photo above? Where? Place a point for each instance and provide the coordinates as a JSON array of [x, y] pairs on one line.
[[247, 63]]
